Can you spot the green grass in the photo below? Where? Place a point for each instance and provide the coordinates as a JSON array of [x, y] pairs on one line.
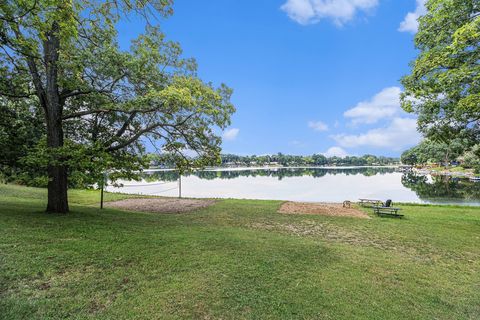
[[82, 197], [236, 260]]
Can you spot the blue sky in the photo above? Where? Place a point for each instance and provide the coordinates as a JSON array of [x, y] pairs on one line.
[[309, 76]]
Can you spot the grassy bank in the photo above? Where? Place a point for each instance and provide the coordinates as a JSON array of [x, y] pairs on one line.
[[237, 259]]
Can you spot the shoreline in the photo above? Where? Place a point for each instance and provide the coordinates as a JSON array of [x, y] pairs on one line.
[[276, 167], [442, 171]]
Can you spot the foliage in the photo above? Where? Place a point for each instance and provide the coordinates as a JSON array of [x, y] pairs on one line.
[[443, 88], [472, 158], [410, 156], [87, 164], [429, 151], [21, 127], [236, 259]]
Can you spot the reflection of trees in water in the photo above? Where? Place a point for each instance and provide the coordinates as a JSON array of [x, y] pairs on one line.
[[276, 173], [153, 176], [442, 187]]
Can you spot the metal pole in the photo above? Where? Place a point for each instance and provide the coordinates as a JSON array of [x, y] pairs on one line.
[[179, 184], [101, 192], [101, 197]]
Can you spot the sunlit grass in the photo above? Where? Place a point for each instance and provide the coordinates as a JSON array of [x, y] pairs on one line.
[[237, 259]]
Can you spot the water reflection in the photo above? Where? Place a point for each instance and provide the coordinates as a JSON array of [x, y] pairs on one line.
[[309, 184], [279, 173], [442, 188]]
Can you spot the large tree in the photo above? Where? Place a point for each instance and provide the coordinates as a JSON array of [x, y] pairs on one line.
[[444, 85], [101, 103]]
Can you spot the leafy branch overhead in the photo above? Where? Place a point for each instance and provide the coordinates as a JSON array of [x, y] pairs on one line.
[[113, 96], [444, 85]]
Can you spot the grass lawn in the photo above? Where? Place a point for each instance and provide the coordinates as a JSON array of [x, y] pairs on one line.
[[238, 259]]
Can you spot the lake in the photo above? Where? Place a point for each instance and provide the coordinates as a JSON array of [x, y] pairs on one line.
[[308, 184]]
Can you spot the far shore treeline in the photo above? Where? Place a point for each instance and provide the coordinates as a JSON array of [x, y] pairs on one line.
[[286, 160]]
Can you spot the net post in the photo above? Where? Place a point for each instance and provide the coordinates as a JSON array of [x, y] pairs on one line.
[[103, 187], [179, 184]]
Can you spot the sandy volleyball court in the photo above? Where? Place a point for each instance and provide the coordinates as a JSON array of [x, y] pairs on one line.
[[327, 209], [161, 205]]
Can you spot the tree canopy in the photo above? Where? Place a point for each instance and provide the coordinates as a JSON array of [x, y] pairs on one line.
[[429, 151], [443, 88]]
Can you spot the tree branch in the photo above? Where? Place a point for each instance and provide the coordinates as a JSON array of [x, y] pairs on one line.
[[121, 131], [71, 93], [134, 138], [17, 96], [97, 111]]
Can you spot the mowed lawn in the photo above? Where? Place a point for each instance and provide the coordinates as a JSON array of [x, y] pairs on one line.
[[235, 260]]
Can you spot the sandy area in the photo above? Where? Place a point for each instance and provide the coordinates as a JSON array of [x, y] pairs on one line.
[[327, 209], [161, 205]]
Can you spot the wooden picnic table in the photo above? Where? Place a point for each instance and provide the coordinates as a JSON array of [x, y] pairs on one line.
[[387, 211], [371, 202]]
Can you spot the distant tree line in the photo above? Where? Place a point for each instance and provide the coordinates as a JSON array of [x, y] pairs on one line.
[[312, 160], [285, 160]]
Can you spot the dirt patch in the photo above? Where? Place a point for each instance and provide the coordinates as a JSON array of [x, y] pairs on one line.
[[326, 209], [161, 205]]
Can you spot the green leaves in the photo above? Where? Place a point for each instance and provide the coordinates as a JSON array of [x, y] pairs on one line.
[[472, 158], [86, 164], [444, 85], [20, 130], [109, 102], [429, 151]]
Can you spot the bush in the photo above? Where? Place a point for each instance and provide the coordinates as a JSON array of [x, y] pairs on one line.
[[472, 158]]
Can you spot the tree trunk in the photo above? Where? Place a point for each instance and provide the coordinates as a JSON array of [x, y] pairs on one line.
[[57, 173]]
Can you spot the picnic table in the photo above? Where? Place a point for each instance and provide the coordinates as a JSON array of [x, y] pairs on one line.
[[379, 210], [370, 202]]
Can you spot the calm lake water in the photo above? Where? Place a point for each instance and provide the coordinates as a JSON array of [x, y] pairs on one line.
[[308, 184]]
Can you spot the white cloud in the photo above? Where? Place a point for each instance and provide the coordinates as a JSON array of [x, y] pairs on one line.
[[385, 104], [318, 125], [410, 23], [231, 134], [299, 10], [335, 152], [312, 11], [400, 133]]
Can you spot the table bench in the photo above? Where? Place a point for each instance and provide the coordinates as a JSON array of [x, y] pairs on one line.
[[387, 211], [370, 202]]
